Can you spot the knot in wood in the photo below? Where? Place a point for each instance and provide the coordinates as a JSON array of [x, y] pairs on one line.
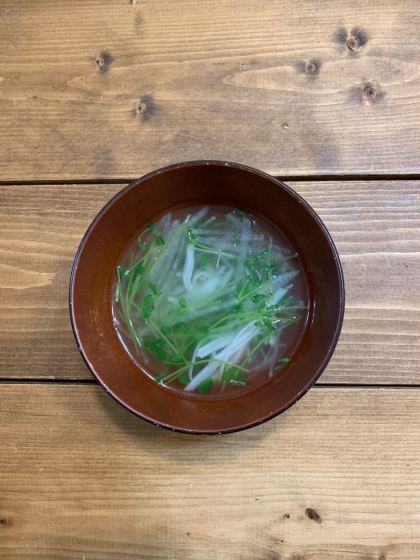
[[310, 67], [102, 61], [313, 515], [352, 44], [369, 92], [141, 108]]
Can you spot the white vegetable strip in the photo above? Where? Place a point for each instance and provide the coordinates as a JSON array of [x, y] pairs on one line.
[[194, 357], [189, 267], [164, 264], [215, 345], [172, 270], [283, 279], [241, 339], [235, 220], [245, 234], [209, 221], [212, 282], [163, 224], [204, 374], [199, 215], [281, 292]]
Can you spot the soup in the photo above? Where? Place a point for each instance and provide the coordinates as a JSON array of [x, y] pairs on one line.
[[210, 300]]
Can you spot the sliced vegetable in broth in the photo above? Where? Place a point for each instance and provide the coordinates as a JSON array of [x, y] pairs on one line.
[[210, 298]]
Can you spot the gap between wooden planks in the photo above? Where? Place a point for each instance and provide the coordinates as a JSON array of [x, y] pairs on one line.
[[334, 478], [291, 87], [374, 225]]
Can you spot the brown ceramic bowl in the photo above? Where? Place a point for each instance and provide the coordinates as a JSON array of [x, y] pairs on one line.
[[144, 201]]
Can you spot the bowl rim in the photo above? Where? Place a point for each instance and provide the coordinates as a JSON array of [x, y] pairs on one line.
[[341, 287]]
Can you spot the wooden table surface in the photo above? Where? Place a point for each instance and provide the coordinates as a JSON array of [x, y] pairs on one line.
[[325, 95]]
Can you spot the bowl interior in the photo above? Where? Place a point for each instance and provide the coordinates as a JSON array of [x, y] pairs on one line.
[[145, 201]]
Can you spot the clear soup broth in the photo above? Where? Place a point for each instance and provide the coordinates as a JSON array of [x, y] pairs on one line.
[[210, 300]]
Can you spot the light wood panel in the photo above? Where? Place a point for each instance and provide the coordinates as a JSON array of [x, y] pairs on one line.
[[40, 230], [374, 224], [334, 478], [94, 90], [376, 228]]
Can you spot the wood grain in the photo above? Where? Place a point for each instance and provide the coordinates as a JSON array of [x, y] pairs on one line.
[[374, 224], [91, 90], [334, 478]]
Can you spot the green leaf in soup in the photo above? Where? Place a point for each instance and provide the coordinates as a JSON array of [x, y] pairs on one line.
[[153, 287], [160, 353], [147, 311], [183, 302], [186, 328], [153, 343], [253, 277], [281, 362], [176, 358], [139, 269], [183, 378], [159, 342], [205, 386], [122, 270]]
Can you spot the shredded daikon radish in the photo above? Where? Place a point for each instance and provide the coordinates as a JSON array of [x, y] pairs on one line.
[[208, 298]]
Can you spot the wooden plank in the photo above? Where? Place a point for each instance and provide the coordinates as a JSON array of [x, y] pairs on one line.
[[93, 92], [335, 478], [374, 224], [41, 228], [375, 227]]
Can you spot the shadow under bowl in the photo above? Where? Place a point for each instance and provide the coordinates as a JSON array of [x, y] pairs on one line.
[[144, 201]]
